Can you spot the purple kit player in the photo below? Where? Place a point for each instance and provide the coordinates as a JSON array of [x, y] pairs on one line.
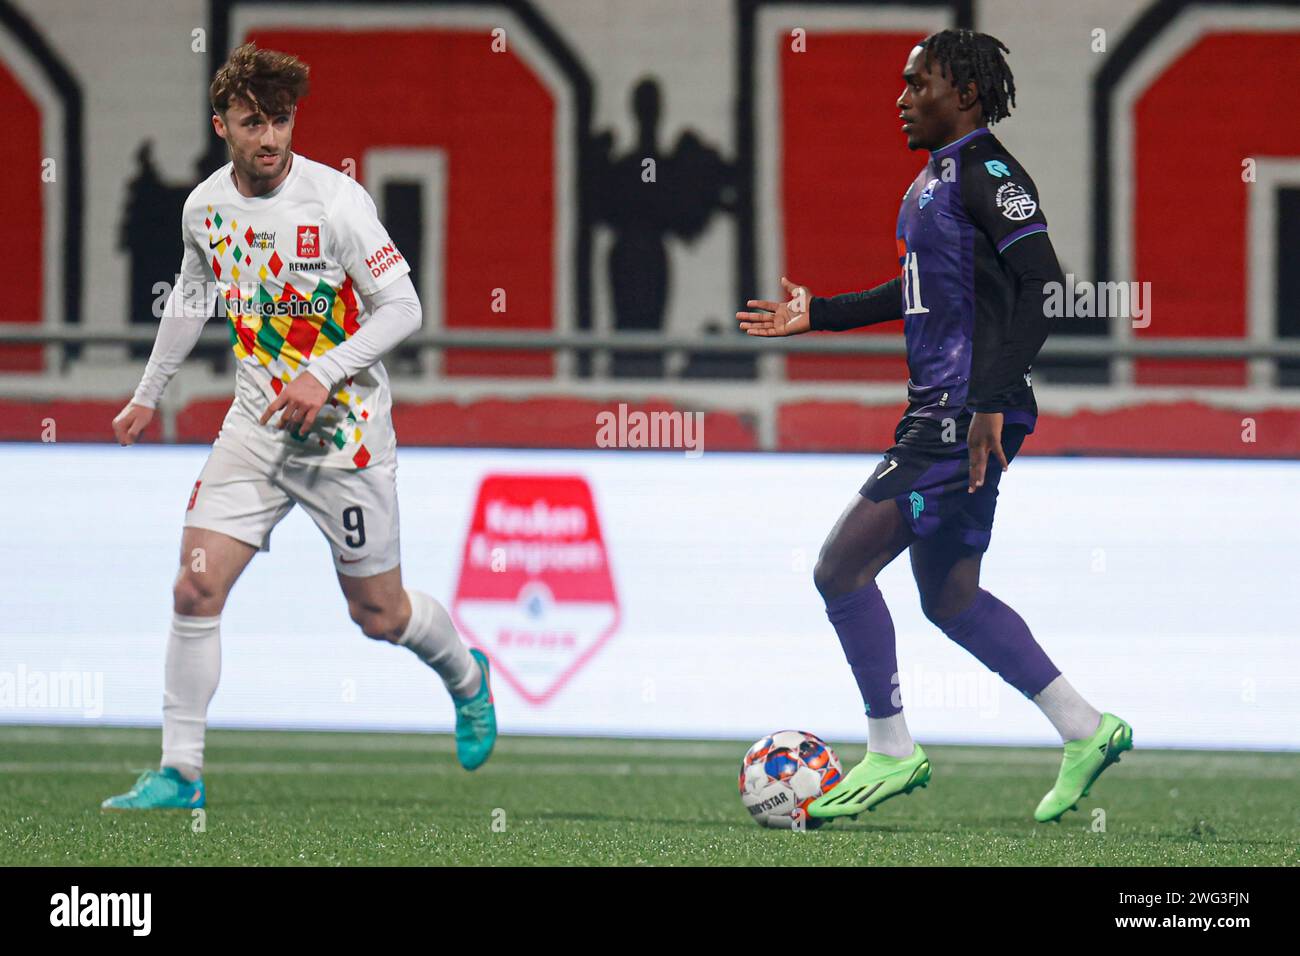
[[974, 255]]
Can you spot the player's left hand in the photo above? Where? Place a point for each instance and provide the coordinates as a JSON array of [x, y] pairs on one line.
[[984, 436], [301, 400]]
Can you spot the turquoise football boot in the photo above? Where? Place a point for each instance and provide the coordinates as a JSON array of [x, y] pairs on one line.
[[476, 720], [162, 789]]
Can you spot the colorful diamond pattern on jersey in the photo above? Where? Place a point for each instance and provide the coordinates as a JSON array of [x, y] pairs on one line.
[[284, 332]]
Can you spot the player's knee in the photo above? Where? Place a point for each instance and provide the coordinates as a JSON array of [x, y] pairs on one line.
[[941, 608], [834, 576], [824, 575], [196, 595], [374, 622], [934, 612]]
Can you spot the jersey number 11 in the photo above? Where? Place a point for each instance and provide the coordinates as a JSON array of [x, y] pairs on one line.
[[912, 286]]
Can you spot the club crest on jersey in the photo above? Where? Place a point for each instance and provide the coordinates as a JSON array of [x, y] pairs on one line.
[[1014, 202], [927, 193], [309, 242]]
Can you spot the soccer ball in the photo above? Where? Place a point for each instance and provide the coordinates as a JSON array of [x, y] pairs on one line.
[[782, 774]]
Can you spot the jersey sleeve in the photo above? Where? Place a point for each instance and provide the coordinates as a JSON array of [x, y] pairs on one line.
[[997, 376], [394, 314], [1001, 199], [855, 310], [358, 241], [188, 306]]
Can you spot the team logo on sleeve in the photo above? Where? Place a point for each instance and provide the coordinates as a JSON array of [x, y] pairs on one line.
[[927, 194], [309, 242], [997, 168], [1014, 202]]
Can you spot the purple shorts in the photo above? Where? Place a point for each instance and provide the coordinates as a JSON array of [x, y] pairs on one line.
[[927, 479]]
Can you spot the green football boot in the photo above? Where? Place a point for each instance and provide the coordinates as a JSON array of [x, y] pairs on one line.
[[872, 782], [476, 720], [1083, 763], [162, 789]]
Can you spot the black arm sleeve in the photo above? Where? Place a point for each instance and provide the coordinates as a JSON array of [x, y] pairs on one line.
[[855, 310], [1002, 201], [1032, 262]]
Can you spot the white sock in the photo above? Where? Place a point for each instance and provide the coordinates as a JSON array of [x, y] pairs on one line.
[[433, 638], [889, 736], [1072, 716], [191, 673]]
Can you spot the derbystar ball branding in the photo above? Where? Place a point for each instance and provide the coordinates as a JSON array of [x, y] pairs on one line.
[[535, 589]]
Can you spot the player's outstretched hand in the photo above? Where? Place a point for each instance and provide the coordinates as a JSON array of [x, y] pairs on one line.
[[130, 422], [778, 318], [301, 400], [984, 437]]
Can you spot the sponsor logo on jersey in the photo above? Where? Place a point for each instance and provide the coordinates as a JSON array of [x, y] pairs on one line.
[[308, 266], [295, 307], [384, 258], [535, 589], [997, 168], [927, 193], [260, 240], [213, 245], [1014, 202], [309, 242]]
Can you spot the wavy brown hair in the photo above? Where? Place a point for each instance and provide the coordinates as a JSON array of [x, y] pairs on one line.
[[269, 81]]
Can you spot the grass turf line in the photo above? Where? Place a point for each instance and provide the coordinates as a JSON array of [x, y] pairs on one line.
[[285, 798]]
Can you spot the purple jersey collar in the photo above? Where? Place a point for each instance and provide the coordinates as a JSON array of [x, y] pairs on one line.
[[952, 147]]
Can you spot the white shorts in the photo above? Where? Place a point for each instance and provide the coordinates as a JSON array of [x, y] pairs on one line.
[[241, 496]]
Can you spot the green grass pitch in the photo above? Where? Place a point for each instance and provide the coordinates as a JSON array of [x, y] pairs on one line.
[[360, 799]]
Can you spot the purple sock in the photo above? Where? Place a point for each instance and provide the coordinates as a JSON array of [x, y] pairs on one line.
[[866, 633], [1001, 641]]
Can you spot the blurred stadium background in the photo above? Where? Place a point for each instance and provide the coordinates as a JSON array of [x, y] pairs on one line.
[[1149, 528]]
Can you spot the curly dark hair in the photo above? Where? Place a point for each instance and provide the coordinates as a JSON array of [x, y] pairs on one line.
[[269, 81], [966, 56]]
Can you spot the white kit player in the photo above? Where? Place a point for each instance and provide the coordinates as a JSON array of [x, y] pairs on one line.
[[314, 292]]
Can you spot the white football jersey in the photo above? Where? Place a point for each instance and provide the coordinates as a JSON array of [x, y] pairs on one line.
[[288, 267]]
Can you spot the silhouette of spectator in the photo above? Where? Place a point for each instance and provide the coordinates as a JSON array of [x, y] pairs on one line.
[[644, 204]]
